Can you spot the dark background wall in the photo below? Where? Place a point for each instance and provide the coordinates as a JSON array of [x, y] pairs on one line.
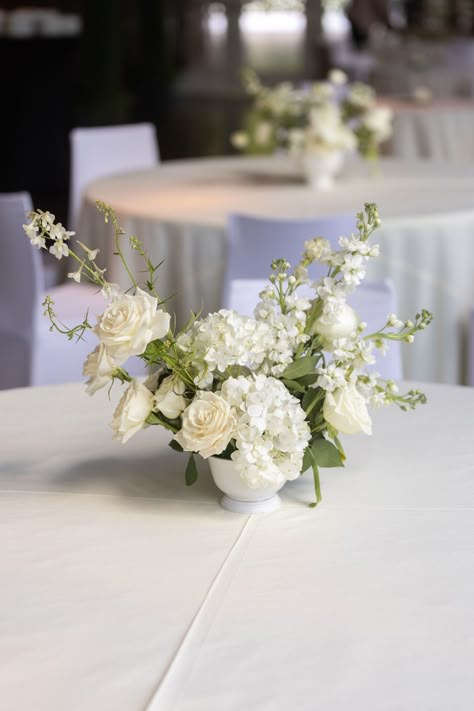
[[121, 69]]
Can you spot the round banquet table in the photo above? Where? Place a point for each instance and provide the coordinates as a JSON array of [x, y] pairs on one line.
[[440, 130], [445, 67], [123, 589], [179, 211]]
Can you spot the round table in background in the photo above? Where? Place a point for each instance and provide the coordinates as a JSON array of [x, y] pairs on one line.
[[179, 211], [441, 130], [124, 590]]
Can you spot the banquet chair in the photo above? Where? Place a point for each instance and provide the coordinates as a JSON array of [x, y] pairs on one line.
[[254, 242], [29, 353], [98, 152], [470, 373]]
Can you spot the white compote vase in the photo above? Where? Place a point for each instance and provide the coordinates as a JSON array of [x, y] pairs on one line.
[[321, 168], [239, 497]]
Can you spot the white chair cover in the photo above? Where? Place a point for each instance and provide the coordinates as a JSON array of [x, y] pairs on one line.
[[30, 354], [98, 152], [470, 372], [254, 242]]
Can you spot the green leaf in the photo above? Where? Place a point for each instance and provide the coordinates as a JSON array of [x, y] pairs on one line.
[[308, 379], [293, 386], [153, 419], [175, 445], [191, 473], [326, 454], [300, 367], [307, 459], [310, 399]]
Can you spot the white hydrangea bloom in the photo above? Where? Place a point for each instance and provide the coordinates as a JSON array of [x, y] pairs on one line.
[[265, 344], [271, 431]]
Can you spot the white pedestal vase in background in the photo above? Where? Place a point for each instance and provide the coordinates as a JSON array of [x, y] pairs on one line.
[[238, 495], [322, 168]]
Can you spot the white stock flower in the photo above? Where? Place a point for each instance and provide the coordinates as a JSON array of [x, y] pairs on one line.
[[110, 291], [130, 323], [317, 249], [34, 235], [394, 321], [338, 320], [353, 269], [99, 366], [134, 407], [346, 410], [331, 377], [76, 276], [169, 398], [91, 253], [379, 121], [207, 425], [271, 430], [59, 249]]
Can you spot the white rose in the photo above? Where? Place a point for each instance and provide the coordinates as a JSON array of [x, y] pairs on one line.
[[208, 425], [99, 366], [339, 323], [169, 398], [134, 407], [346, 410], [129, 324]]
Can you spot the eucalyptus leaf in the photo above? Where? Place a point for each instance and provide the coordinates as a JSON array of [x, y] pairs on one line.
[[293, 386], [311, 396], [310, 379], [191, 473], [326, 454], [308, 459], [300, 367], [175, 445]]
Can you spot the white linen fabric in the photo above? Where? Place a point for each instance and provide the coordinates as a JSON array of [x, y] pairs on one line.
[[179, 211], [440, 131], [123, 589], [444, 67]]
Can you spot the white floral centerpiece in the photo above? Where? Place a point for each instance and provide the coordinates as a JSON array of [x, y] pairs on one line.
[[265, 397], [320, 123]]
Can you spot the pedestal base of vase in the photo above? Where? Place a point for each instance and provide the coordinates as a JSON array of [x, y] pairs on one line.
[[239, 497], [321, 169], [263, 506]]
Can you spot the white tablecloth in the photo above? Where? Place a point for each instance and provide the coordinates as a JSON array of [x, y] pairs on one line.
[[179, 211], [446, 67], [441, 130], [122, 589]]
